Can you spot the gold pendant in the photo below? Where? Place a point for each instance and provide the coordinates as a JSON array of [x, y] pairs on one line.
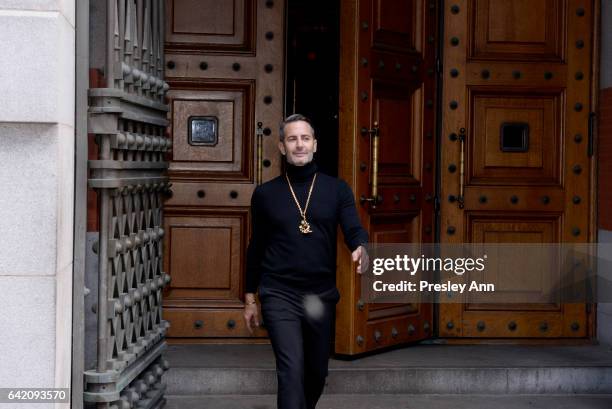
[[305, 227]]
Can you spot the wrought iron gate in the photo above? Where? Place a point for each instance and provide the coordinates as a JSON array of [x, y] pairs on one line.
[[129, 118]]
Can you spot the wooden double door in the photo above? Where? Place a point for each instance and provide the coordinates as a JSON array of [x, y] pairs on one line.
[[505, 69]]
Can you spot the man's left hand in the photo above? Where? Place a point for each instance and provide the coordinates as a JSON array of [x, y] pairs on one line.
[[360, 256]]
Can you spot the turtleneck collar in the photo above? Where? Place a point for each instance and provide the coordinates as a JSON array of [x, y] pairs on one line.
[[301, 173]]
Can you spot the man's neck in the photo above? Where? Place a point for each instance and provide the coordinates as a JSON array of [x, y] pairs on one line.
[[301, 173]]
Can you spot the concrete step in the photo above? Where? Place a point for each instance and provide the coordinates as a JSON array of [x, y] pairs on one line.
[[198, 370], [339, 401]]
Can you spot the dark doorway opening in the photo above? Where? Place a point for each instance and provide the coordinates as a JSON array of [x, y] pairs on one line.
[[313, 57]]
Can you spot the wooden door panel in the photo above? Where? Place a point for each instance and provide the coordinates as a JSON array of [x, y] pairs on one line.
[[518, 324], [408, 325], [211, 25], [561, 321], [481, 73], [212, 324], [385, 310], [545, 198], [395, 23], [387, 95], [517, 84], [517, 29], [502, 321], [515, 228], [212, 128], [498, 120], [399, 107], [194, 195], [405, 201], [201, 271], [205, 255], [225, 70], [404, 227], [395, 154]]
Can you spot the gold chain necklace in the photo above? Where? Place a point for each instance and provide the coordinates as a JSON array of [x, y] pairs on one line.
[[304, 225]]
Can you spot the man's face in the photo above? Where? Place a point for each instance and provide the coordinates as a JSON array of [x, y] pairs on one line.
[[299, 144]]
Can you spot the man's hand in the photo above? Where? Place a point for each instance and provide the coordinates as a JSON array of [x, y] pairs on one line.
[[251, 316], [360, 256]]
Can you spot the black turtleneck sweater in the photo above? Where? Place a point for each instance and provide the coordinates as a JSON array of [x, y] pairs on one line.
[[279, 255]]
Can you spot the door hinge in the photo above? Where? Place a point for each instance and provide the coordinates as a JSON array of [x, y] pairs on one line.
[[436, 204]]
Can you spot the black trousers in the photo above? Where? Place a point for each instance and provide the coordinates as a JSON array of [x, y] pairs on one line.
[[300, 327]]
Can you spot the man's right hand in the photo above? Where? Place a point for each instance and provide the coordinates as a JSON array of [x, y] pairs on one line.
[[251, 316]]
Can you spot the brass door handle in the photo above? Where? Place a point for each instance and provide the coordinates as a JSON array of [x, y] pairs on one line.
[[374, 134]]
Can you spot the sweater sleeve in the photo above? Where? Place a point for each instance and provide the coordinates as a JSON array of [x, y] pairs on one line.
[[256, 244], [354, 234]]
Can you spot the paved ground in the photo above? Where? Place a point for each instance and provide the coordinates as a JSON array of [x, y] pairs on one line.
[[338, 401]]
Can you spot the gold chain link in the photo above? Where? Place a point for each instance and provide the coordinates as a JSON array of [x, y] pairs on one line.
[[302, 212]]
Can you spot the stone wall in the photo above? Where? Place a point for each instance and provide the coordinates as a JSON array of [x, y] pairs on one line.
[[37, 84]]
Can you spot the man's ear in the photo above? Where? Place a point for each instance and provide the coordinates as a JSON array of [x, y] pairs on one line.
[[281, 147], [314, 149]]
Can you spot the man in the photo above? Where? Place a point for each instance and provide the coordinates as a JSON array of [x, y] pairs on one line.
[[291, 260]]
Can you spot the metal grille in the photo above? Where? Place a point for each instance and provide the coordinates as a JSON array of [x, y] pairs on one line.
[[129, 119]]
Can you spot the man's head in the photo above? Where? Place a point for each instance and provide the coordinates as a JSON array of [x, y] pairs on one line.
[[297, 140]]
